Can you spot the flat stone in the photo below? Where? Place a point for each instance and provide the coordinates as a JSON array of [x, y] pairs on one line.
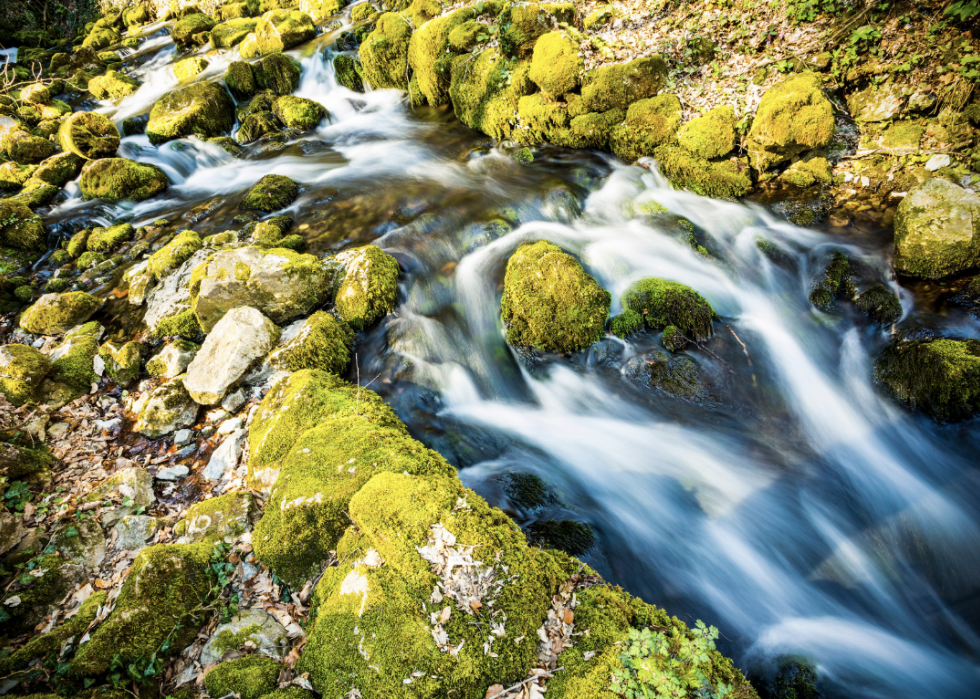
[[182, 437], [224, 460], [172, 473], [229, 426], [233, 401], [133, 531], [937, 162]]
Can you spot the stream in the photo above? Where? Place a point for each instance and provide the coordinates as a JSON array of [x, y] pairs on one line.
[[795, 506]]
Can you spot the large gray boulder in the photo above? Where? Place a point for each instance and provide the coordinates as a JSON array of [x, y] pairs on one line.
[[937, 231], [241, 338], [280, 283]]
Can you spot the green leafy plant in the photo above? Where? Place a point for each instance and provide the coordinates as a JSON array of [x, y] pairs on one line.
[[963, 10], [662, 666], [17, 496]]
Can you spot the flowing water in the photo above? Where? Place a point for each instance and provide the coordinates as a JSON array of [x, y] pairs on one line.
[[796, 507]]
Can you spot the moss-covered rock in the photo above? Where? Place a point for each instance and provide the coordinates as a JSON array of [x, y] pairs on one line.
[[189, 67], [937, 231], [122, 361], [278, 31], [173, 254], [663, 303], [877, 102], [297, 404], [428, 54], [277, 74], [23, 147], [20, 228], [711, 135], [113, 85], [550, 302], [649, 123], [794, 116], [880, 304], [107, 240], [486, 91], [271, 193], [222, 518], [59, 169], [522, 23], [257, 125], [165, 585], [203, 109], [35, 93], [135, 16], [89, 135], [299, 112], [468, 35], [51, 578], [89, 259], [173, 359], [22, 369], [240, 80], [837, 281], [556, 65], [72, 368], [369, 290], [232, 32], [192, 30], [619, 86], [806, 173], [168, 408], [14, 175], [116, 179], [720, 179], [102, 38], [384, 55], [321, 9], [346, 69], [248, 678], [626, 323], [53, 314], [940, 377], [323, 342]]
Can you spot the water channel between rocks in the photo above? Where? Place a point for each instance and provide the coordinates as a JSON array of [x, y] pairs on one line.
[[790, 503]]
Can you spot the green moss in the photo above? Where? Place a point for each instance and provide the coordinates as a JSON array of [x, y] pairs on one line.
[[184, 324], [649, 123], [117, 179], [75, 369], [902, 137], [672, 338], [321, 9], [384, 55], [346, 70], [54, 314], [189, 67], [938, 377], [323, 343], [248, 678], [277, 74], [550, 302], [22, 370], [556, 64], [428, 54], [173, 254], [89, 259], [566, 535], [77, 243], [539, 119], [39, 595], [257, 125], [101, 38], [296, 404], [794, 116], [231, 32], [369, 290], [522, 23], [619, 86], [524, 156], [486, 91], [271, 193], [106, 240], [203, 109], [20, 228], [836, 282], [24, 464], [122, 361], [626, 323], [880, 304], [192, 30], [299, 113], [806, 173], [240, 80], [599, 18], [59, 169], [89, 135], [278, 31], [218, 518], [113, 86], [722, 180], [165, 585], [711, 135], [14, 175], [469, 34], [363, 11], [663, 303], [25, 148]]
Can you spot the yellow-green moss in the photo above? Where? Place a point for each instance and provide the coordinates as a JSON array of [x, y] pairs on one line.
[[278, 31], [116, 179], [619, 86], [24, 369], [722, 180], [203, 109], [89, 135], [649, 123], [247, 678], [486, 90], [428, 54], [271, 193], [384, 55], [223, 517], [277, 73], [106, 240], [240, 80], [711, 135], [192, 30], [347, 71], [231, 32], [522, 23], [183, 324], [299, 112], [89, 259], [323, 343], [556, 64], [20, 228], [806, 173], [369, 290], [189, 67], [173, 254], [54, 314], [122, 361], [663, 303], [113, 86], [938, 377]]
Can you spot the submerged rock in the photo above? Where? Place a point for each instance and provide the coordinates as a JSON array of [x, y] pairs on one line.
[[550, 302], [677, 376], [880, 304], [664, 303], [937, 231]]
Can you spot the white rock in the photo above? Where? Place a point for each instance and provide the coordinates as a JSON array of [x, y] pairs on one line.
[[98, 365], [182, 437], [173, 359], [173, 295], [233, 401], [241, 338], [57, 430], [229, 426], [133, 531], [168, 408], [267, 634], [172, 473], [224, 460], [938, 161]]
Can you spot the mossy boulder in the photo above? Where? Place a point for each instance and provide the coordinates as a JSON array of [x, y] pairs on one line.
[[937, 231], [877, 103], [203, 109], [23, 147], [113, 85], [429, 57], [880, 304], [522, 23], [135, 16], [248, 678], [89, 135], [369, 289], [51, 578], [719, 179], [20, 228], [59, 169], [172, 255], [192, 30], [940, 377], [626, 323], [271, 193], [468, 35], [54, 314], [278, 31], [486, 91], [109, 239], [221, 518], [22, 369], [117, 179], [793, 117], [592, 130], [232, 32], [19, 463], [556, 65], [299, 112], [102, 38], [14, 175], [122, 361], [711, 135], [189, 67], [663, 303], [619, 86], [173, 359], [322, 342], [240, 80], [384, 55], [35, 93], [806, 173], [649, 123], [277, 74], [72, 369], [550, 302], [89, 259], [257, 125], [165, 585], [348, 73], [297, 404], [167, 408]]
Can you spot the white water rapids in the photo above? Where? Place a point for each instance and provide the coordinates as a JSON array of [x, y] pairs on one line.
[[801, 510]]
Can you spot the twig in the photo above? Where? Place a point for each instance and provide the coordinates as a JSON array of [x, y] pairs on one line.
[[744, 348], [543, 675]]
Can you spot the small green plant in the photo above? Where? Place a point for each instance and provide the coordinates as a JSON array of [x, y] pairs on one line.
[[662, 666], [963, 10], [17, 496]]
